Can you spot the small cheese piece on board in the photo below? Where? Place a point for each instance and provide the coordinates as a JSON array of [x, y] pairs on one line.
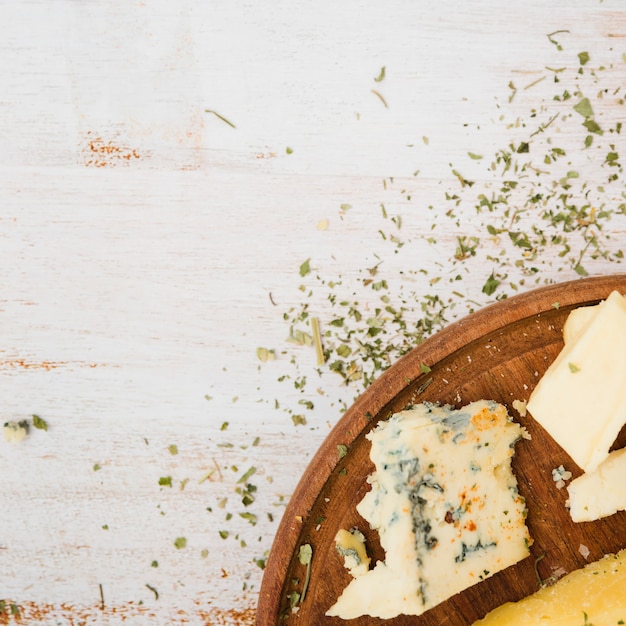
[[594, 595], [581, 399], [351, 545], [444, 501], [600, 493]]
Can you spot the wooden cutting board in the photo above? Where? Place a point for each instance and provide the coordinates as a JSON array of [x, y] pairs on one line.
[[498, 353]]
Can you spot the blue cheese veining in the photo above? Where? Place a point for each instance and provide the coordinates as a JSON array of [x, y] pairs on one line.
[[444, 501]]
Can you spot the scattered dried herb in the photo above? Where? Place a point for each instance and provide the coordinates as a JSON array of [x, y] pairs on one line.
[[40, 423], [220, 117], [305, 268], [380, 97], [305, 556]]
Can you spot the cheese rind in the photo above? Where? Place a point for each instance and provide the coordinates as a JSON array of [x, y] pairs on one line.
[[600, 493], [445, 504], [594, 595], [581, 399]]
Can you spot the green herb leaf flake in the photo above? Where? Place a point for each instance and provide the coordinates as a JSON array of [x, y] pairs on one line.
[[342, 450], [298, 420], [584, 108], [265, 354], [220, 117], [573, 368], [180, 543], [247, 475], [593, 127], [317, 341], [165, 481], [251, 517], [40, 423], [490, 285], [305, 556], [381, 75], [305, 268]]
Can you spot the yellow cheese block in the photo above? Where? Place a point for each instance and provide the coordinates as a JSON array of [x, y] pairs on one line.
[[594, 595]]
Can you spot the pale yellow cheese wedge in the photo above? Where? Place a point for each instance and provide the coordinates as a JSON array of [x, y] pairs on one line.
[[594, 595], [577, 321], [600, 493], [581, 399]]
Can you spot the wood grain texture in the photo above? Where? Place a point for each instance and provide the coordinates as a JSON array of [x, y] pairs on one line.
[[148, 247], [498, 353]]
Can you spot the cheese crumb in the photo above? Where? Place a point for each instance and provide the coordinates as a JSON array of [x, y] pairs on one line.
[[560, 475], [14, 432], [520, 407]]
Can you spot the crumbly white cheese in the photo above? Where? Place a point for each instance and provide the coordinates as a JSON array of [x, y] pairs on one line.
[[14, 432], [445, 504], [600, 493], [560, 476], [581, 399], [351, 545]]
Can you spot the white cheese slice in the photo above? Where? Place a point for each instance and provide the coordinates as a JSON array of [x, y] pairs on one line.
[[578, 320], [599, 493], [581, 399], [445, 504]]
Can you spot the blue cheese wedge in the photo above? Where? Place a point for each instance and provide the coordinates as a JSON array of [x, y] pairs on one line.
[[581, 399], [444, 501]]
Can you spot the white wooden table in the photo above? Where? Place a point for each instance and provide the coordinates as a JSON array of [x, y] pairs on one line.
[[182, 182]]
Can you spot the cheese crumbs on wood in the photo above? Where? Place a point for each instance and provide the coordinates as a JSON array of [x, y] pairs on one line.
[[445, 503]]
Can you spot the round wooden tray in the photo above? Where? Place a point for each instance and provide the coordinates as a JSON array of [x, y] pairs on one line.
[[497, 353]]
